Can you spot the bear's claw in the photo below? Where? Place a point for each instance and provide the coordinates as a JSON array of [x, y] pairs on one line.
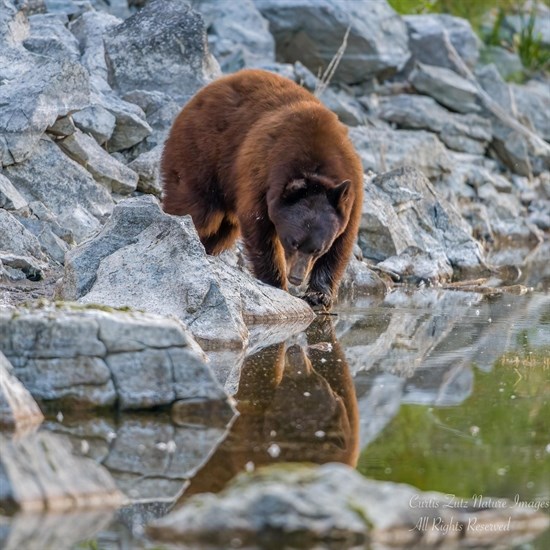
[[318, 299]]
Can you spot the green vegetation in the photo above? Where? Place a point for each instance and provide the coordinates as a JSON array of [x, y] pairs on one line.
[[497, 443], [527, 43]]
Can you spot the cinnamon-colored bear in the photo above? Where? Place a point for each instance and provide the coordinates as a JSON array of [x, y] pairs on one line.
[[256, 153]]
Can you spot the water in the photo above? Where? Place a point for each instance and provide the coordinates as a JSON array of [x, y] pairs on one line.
[[445, 390]]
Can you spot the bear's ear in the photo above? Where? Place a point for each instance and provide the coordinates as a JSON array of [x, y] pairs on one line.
[[293, 186], [339, 193]]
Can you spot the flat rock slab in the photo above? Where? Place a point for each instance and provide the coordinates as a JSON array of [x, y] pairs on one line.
[[149, 260], [302, 505], [40, 473], [89, 357]]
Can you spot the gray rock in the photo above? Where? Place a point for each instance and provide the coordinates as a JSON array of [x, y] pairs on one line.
[[160, 111], [520, 149], [238, 35], [312, 31], [72, 8], [131, 126], [89, 29], [33, 102], [10, 198], [335, 504], [14, 26], [18, 409], [152, 261], [507, 62], [89, 356], [52, 245], [403, 214], [360, 280], [40, 473], [16, 239], [105, 169], [97, 121], [62, 127], [64, 187], [383, 150], [533, 105], [50, 37], [430, 35], [161, 48], [146, 166], [469, 133], [446, 87]]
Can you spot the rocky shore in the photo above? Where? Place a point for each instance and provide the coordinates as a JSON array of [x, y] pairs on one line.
[[97, 282]]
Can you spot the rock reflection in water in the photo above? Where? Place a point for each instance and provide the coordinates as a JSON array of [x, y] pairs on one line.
[[297, 404]]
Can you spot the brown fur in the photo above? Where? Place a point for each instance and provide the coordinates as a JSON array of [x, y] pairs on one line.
[[241, 152]]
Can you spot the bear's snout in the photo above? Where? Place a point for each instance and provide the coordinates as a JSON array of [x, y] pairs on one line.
[[298, 267]]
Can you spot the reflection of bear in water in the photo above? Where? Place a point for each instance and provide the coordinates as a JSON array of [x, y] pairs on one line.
[[293, 408], [255, 152]]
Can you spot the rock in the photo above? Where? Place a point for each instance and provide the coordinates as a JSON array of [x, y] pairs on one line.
[[533, 105], [10, 198], [89, 356], [173, 276], [40, 473], [160, 111], [333, 504], [33, 102], [71, 8], [17, 242], [431, 34], [131, 126], [515, 144], [507, 62], [89, 29], [404, 216], [47, 233], [96, 121], [446, 87], [62, 127], [382, 150], [161, 48], [18, 409], [360, 280], [238, 35], [469, 133], [313, 31], [50, 37], [64, 187], [146, 166], [108, 171]]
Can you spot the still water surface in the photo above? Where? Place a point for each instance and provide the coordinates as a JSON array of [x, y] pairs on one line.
[[445, 390]]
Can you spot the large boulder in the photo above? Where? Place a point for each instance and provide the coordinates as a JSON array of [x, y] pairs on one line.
[[312, 31], [333, 504], [149, 260], [238, 35], [90, 357], [163, 47], [413, 231], [431, 35]]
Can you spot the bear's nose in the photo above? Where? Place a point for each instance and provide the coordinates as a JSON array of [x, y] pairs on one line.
[[293, 280]]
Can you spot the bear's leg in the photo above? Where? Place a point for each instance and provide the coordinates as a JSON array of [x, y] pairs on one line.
[[327, 272], [222, 238], [265, 252]]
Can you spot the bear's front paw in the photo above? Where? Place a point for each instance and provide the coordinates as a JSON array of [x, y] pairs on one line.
[[318, 299]]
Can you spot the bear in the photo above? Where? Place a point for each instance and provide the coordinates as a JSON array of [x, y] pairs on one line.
[[254, 153]]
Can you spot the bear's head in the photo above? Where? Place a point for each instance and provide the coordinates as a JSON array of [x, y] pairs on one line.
[[308, 215]]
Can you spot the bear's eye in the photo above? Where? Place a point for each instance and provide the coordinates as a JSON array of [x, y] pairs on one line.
[[294, 244]]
